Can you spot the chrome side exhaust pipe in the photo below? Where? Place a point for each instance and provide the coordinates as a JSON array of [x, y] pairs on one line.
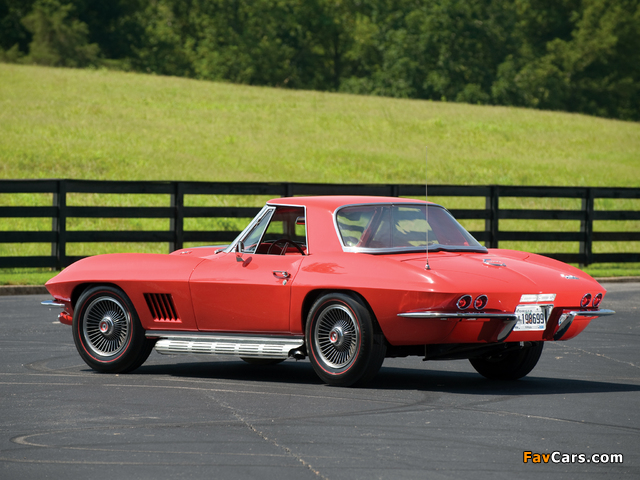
[[298, 354]]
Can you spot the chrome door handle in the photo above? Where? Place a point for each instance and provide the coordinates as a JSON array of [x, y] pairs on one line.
[[281, 274]]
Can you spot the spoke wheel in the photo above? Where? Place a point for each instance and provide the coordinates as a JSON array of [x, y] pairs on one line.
[[510, 365], [106, 326], [107, 332], [344, 347], [336, 336]]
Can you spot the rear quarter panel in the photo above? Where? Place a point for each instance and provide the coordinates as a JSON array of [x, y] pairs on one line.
[[391, 286], [388, 286]]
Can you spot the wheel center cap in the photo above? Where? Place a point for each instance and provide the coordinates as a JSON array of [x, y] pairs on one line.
[[106, 325], [336, 336]]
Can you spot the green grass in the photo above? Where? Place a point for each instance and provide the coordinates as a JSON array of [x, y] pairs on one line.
[[614, 270], [98, 124], [24, 276]]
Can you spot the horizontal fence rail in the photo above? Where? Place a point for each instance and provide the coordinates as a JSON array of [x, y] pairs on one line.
[[176, 236]]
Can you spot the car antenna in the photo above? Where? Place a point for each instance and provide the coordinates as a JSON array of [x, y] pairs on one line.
[[426, 207]]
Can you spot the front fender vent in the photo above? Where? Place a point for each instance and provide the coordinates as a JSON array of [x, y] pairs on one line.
[[162, 307]]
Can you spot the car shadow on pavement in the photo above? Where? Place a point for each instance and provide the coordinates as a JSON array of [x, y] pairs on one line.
[[290, 372], [389, 378], [470, 383]]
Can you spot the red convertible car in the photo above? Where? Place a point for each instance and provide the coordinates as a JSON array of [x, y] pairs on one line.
[[345, 281]]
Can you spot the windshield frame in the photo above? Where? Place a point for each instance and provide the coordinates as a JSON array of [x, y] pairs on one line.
[[268, 209], [395, 250]]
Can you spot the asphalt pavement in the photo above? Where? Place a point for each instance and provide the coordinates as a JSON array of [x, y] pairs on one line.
[[220, 418]]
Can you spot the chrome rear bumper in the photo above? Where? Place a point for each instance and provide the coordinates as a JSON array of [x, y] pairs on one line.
[[566, 319]]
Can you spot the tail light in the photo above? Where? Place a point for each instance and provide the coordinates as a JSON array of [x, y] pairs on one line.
[[597, 299], [585, 300], [480, 302], [464, 302]]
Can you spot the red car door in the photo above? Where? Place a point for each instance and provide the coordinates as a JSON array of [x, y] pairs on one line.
[[252, 295], [249, 289]]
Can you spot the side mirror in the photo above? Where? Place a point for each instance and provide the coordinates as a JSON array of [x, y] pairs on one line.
[[239, 250]]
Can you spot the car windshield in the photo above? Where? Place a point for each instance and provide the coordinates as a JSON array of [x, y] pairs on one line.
[[388, 228]]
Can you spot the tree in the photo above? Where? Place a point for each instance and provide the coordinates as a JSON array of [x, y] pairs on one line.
[[58, 38], [590, 62]]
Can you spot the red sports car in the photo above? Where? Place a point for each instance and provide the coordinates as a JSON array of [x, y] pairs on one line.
[[346, 281]]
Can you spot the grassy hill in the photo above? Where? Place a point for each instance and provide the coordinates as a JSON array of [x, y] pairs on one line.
[[57, 123], [98, 124]]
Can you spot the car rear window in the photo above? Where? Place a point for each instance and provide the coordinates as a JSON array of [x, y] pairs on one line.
[[387, 227]]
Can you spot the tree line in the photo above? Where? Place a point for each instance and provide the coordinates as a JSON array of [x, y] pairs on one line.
[[572, 55]]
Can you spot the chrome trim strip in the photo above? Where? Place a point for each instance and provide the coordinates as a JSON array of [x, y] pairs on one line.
[[52, 303], [254, 346], [218, 335], [447, 315], [595, 313]]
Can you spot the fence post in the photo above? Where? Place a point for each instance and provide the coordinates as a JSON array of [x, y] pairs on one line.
[[59, 225], [586, 228], [491, 224], [177, 220]]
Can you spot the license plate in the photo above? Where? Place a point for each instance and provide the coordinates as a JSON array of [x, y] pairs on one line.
[[531, 318]]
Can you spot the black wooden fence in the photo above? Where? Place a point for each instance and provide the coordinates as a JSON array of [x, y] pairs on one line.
[[58, 237]]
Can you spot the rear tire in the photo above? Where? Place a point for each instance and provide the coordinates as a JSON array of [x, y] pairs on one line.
[[107, 331], [343, 347], [510, 365]]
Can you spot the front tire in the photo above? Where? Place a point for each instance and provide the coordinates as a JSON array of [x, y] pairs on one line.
[[510, 365], [344, 348], [107, 332]]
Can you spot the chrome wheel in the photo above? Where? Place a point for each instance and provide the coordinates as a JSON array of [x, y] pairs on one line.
[[342, 343], [106, 326], [336, 336], [107, 331]]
